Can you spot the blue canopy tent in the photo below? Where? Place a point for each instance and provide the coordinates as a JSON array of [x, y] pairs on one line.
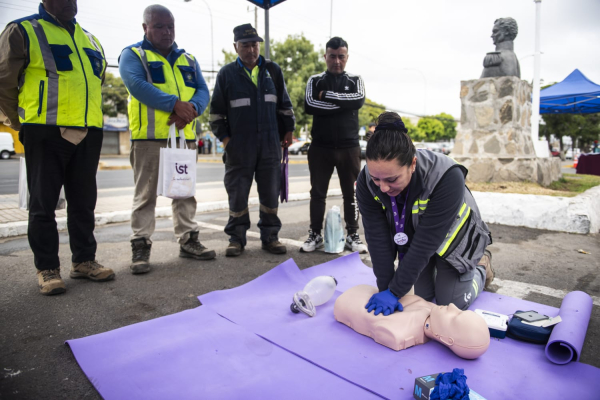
[[266, 4], [576, 94]]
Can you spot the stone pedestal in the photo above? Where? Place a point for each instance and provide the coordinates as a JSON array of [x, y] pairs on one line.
[[494, 136]]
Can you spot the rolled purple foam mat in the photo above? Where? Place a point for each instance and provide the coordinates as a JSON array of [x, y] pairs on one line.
[[567, 337]]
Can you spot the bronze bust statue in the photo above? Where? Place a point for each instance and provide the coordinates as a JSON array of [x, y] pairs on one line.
[[503, 61]]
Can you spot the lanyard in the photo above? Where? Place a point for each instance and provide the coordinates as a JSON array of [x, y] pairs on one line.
[[400, 238]]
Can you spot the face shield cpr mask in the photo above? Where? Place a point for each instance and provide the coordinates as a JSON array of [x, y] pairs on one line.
[[317, 291]]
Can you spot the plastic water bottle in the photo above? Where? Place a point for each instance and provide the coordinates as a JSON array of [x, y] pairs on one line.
[[317, 291], [334, 232]]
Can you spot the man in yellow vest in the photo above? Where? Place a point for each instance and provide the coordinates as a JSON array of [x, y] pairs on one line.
[[51, 74], [166, 87]]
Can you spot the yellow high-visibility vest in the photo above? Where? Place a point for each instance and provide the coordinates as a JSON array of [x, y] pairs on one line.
[[62, 83], [147, 123]]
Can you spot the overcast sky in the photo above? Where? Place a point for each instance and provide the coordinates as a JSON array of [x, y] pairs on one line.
[[412, 54]]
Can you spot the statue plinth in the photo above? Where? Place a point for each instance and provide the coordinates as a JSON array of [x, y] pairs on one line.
[[494, 136]]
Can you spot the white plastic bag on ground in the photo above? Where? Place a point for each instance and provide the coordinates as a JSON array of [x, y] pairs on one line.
[[334, 232], [24, 189], [177, 168]]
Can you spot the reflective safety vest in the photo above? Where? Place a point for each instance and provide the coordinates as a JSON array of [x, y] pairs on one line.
[[147, 123], [62, 82], [469, 235]]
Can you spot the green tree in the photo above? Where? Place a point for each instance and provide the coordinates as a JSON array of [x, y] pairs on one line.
[[414, 132], [581, 128], [114, 96], [449, 126], [369, 112], [432, 128]]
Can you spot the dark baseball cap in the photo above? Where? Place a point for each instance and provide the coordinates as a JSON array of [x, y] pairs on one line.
[[246, 33]]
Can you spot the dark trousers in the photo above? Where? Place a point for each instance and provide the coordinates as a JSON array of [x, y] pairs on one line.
[[441, 281], [321, 162], [51, 163], [238, 181]]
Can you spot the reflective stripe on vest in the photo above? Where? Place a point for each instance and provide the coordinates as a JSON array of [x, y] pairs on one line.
[[147, 123], [62, 83], [459, 221]]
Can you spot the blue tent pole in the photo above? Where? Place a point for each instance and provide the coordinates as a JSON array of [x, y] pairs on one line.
[[267, 47]]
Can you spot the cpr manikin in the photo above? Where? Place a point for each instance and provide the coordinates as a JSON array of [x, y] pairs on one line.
[[463, 332]]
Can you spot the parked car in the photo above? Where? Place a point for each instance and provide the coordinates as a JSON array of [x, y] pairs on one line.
[[363, 149], [304, 148], [7, 145], [295, 147]]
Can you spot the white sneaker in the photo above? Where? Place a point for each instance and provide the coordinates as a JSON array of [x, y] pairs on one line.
[[354, 243], [314, 241]]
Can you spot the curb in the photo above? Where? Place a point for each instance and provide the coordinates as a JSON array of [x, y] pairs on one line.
[[104, 167], [20, 228], [579, 214]]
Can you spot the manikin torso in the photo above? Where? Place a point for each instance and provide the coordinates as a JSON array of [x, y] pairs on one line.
[[463, 332]]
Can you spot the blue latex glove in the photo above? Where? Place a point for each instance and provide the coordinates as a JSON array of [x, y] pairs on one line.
[[384, 302], [451, 386]]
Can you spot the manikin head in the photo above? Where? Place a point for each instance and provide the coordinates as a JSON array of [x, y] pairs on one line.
[[463, 332], [159, 28], [391, 155], [505, 29]]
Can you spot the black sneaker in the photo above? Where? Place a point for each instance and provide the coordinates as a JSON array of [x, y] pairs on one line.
[[194, 249], [354, 243], [314, 241], [140, 257]]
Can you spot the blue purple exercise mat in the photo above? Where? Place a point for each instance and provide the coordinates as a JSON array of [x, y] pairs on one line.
[[260, 349]]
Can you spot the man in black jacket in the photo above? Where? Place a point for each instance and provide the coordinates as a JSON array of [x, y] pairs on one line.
[[334, 98], [249, 95]]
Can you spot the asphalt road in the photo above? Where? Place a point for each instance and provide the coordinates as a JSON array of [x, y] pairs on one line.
[[110, 179], [36, 364]]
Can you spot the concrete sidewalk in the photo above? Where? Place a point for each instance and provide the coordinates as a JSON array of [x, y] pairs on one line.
[[580, 214], [122, 162]]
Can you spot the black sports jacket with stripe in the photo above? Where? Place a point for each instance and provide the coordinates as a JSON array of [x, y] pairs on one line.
[[335, 116]]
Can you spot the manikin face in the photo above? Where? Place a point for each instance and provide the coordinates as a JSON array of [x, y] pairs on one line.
[[336, 60], [465, 332], [498, 35], [160, 31], [391, 178], [248, 52], [64, 10]]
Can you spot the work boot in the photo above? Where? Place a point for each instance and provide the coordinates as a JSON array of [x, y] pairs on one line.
[[354, 243], [486, 261], [275, 247], [140, 256], [50, 282], [194, 249], [314, 241], [234, 249], [91, 270]]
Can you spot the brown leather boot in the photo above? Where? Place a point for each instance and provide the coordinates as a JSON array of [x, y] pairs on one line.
[[50, 282], [91, 270], [486, 261]]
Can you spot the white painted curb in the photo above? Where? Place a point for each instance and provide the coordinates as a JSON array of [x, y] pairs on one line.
[[580, 214], [20, 228]]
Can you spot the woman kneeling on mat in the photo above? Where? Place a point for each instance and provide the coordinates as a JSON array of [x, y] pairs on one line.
[[415, 204]]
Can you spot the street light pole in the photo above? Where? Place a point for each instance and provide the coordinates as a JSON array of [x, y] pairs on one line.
[[212, 42], [267, 47], [541, 147]]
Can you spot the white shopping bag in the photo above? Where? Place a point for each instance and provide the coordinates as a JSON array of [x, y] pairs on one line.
[[24, 190], [334, 232], [177, 168]]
